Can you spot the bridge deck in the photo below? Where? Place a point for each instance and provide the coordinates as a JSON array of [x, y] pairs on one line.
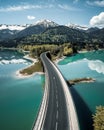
[[57, 111]]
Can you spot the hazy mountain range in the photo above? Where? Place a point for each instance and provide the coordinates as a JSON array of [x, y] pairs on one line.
[[24, 30], [46, 31], [8, 31]]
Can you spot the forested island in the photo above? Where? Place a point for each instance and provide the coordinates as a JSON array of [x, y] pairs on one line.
[[81, 80]]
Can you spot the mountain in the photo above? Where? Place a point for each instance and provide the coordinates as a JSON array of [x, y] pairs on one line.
[[13, 27], [98, 35], [78, 27], [64, 34], [57, 35], [92, 29], [7, 34], [46, 31], [8, 31], [37, 28], [46, 23]]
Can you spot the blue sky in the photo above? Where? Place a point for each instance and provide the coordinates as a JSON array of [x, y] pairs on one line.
[[82, 12]]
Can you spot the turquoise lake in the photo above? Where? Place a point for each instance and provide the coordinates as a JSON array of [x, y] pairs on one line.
[[86, 95], [20, 97]]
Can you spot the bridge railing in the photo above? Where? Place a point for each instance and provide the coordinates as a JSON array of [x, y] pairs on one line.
[[72, 114], [73, 119], [39, 122]]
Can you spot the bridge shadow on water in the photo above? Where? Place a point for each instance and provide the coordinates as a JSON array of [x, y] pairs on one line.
[[84, 113]]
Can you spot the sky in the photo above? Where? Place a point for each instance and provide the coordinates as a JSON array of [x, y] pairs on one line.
[[81, 12]]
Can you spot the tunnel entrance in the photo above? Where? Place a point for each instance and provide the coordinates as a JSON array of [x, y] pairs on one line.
[[49, 55]]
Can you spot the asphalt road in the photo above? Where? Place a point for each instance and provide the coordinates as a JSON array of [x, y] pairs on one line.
[[57, 115]]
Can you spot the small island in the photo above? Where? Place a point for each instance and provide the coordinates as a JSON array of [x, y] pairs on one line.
[[81, 80], [32, 69], [35, 67]]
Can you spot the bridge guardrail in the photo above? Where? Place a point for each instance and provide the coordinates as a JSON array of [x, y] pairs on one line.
[[72, 114], [73, 119], [38, 125]]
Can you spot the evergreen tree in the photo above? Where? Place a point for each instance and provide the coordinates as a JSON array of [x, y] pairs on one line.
[[98, 118]]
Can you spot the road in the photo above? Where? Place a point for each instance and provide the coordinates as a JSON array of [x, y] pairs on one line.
[[57, 114]]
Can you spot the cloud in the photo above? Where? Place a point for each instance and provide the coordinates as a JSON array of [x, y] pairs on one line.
[[97, 66], [96, 3], [23, 7], [28, 7], [97, 20], [67, 7], [30, 17]]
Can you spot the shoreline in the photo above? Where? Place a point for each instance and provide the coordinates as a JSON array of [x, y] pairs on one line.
[[59, 59], [85, 51], [79, 52], [30, 58], [19, 75], [22, 76], [6, 48]]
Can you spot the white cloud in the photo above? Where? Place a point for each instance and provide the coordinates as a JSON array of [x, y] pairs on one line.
[[30, 17], [96, 3], [28, 7], [97, 66], [67, 7], [24, 7], [97, 20]]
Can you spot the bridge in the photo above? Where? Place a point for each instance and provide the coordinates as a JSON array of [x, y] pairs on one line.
[[57, 110]]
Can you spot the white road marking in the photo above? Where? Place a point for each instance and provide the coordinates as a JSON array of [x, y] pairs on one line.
[[56, 126], [57, 115], [56, 97], [54, 77]]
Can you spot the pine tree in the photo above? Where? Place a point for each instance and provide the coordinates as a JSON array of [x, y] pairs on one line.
[[98, 118]]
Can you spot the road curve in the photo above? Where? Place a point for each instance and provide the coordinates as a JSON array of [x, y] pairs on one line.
[[59, 111], [57, 115]]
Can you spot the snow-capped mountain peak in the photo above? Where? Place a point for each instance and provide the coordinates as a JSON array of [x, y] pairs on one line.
[[12, 27], [76, 26], [46, 23]]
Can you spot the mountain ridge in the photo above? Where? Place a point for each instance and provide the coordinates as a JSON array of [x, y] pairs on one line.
[[46, 31], [25, 30]]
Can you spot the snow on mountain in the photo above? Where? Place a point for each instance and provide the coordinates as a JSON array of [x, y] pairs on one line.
[[75, 26], [46, 23], [12, 27]]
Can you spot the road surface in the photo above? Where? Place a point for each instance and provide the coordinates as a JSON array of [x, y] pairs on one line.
[[56, 115]]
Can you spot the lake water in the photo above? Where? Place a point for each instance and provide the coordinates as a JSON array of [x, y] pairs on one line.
[[19, 98], [86, 95]]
